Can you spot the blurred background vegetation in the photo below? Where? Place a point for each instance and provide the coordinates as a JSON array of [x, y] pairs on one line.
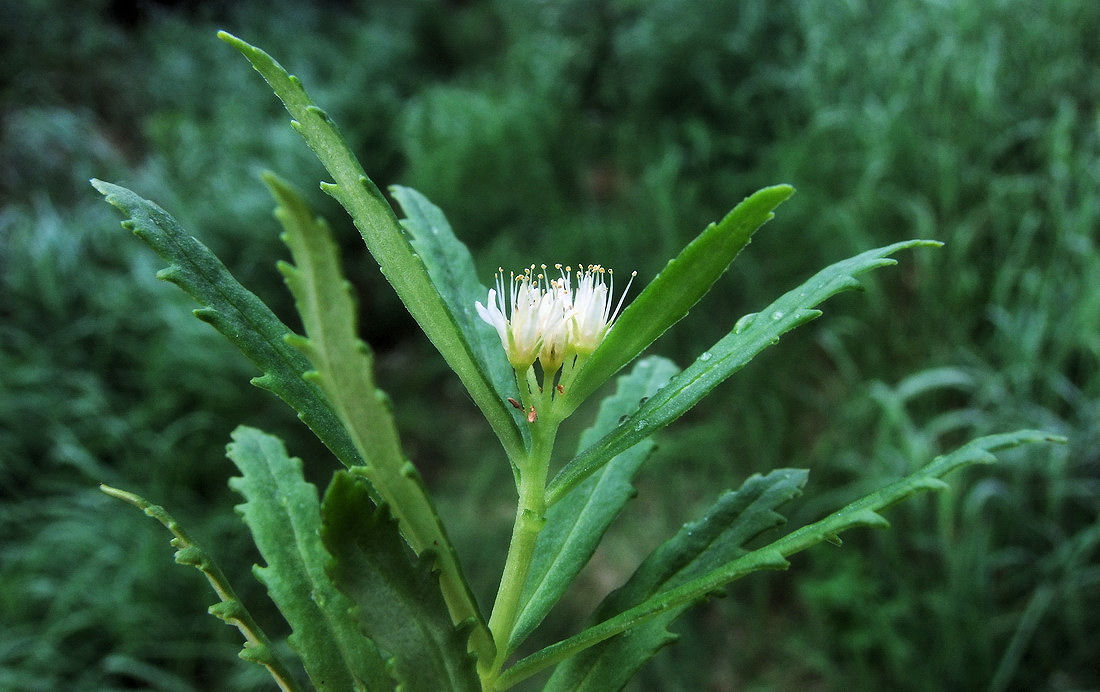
[[609, 132]]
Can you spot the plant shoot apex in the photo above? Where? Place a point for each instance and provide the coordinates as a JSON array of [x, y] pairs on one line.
[[552, 320]]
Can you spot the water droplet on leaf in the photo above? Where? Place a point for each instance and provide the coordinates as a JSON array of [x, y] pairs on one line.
[[743, 323], [705, 356], [777, 315]]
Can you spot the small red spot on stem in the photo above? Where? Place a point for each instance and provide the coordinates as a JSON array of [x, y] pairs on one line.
[[515, 404], [532, 415]]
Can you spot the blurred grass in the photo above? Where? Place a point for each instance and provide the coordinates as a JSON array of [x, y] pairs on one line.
[[609, 132]]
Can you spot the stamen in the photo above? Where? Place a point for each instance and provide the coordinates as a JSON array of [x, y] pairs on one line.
[[553, 319]]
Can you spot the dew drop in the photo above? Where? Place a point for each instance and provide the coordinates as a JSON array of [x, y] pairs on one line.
[[705, 356], [777, 315], [743, 323], [622, 419]]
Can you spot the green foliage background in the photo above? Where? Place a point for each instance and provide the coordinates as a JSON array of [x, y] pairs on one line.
[[603, 132]]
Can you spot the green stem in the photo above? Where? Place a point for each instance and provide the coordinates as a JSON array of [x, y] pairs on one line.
[[258, 648], [529, 521], [530, 518], [530, 387], [569, 372]]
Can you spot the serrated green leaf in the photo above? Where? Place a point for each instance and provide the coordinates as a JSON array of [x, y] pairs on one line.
[[381, 230], [619, 658], [575, 526], [229, 609], [751, 335], [720, 536], [451, 269], [344, 371], [284, 515], [397, 603], [343, 366], [679, 286], [773, 556], [235, 312], [737, 517]]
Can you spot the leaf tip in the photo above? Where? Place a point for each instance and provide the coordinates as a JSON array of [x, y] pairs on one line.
[[266, 381], [110, 193], [256, 653], [319, 112], [934, 484], [227, 611], [773, 559], [782, 190], [232, 40], [332, 190], [170, 273], [120, 494], [273, 181], [208, 315], [871, 519]]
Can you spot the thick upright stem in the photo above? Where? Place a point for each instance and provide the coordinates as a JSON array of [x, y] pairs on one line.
[[530, 517], [529, 521]]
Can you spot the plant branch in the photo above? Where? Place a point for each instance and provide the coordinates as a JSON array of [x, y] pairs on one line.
[[862, 512]]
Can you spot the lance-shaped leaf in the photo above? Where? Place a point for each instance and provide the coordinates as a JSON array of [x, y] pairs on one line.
[[284, 515], [397, 602], [343, 368], [235, 312], [575, 526], [679, 286], [382, 232], [451, 268], [701, 546], [230, 609], [862, 512], [751, 335]]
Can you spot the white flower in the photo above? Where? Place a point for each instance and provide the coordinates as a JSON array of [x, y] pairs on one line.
[[551, 321], [590, 313], [523, 318], [556, 328]]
